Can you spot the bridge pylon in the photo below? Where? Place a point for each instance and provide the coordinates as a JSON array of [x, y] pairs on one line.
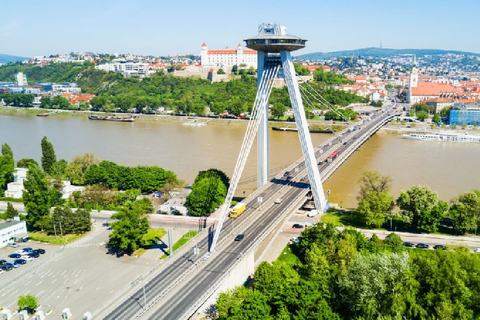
[[274, 46]]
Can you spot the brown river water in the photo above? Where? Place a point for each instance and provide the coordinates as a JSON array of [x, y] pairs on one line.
[[448, 168]]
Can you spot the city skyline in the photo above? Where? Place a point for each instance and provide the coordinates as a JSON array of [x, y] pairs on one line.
[[156, 28]]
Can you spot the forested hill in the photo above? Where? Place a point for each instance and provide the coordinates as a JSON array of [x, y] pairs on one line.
[[379, 53], [5, 58]]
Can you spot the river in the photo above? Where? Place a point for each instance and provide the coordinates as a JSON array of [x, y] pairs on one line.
[[448, 168]]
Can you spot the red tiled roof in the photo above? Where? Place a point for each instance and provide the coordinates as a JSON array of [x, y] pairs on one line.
[[433, 89], [204, 44]]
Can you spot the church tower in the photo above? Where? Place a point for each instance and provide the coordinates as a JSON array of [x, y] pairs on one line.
[[413, 83]]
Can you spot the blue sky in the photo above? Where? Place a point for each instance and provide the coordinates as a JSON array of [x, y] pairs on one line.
[[44, 27]]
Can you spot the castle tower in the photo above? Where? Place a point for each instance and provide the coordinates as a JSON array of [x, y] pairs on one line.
[[204, 55]]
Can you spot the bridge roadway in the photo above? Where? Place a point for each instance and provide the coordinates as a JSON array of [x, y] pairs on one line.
[[186, 280]]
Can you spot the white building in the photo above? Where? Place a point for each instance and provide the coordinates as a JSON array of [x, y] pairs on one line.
[[15, 188], [68, 189], [21, 79], [11, 231], [71, 88], [128, 69], [228, 57]]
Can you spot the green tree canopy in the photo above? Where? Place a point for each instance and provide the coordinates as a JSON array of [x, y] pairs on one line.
[[11, 212], [207, 194], [129, 230], [466, 211], [75, 170], [48, 155], [28, 302], [419, 207]]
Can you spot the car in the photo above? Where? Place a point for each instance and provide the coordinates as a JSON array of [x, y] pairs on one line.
[[20, 252], [239, 237], [278, 200], [15, 255], [27, 249], [33, 254], [27, 257], [2, 262], [20, 261], [6, 267], [439, 246], [477, 250], [10, 264], [12, 245], [409, 244], [41, 251], [294, 240], [297, 226], [1, 271], [423, 246]]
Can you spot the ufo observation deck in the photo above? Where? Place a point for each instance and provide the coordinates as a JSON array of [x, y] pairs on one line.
[[275, 43], [272, 38]]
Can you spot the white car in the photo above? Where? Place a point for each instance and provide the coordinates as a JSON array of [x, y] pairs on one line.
[[295, 240], [477, 250], [28, 258], [278, 200], [20, 252]]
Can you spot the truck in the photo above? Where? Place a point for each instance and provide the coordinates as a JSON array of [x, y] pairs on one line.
[[237, 210]]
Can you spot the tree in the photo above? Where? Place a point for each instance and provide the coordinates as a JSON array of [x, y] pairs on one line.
[[220, 71], [373, 286], [26, 163], [373, 181], [374, 208], [11, 212], [48, 155], [7, 167], [6, 149], [46, 102], [67, 221], [394, 242], [278, 110], [207, 194], [417, 207], [28, 302], [436, 118], [58, 168], [466, 211], [422, 115], [60, 102], [128, 231], [38, 197], [75, 170]]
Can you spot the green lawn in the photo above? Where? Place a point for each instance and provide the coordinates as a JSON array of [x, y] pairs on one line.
[[184, 239], [287, 256], [149, 239], [43, 237]]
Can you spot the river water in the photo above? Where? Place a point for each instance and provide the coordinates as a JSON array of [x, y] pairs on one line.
[[448, 168]]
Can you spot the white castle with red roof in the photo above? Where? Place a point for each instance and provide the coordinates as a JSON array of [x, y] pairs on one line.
[[228, 58]]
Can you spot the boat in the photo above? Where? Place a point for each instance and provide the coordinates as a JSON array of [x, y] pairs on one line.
[[113, 118], [296, 130], [42, 114], [444, 137], [194, 122]]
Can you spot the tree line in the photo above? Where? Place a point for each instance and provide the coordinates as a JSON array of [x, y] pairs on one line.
[[332, 274], [419, 206]]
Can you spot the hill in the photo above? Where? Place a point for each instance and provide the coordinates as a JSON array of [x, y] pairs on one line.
[[5, 58], [379, 53]]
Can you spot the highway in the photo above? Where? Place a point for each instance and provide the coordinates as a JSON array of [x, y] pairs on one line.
[[178, 289]]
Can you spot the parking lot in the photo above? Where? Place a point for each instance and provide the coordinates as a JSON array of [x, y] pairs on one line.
[[81, 276]]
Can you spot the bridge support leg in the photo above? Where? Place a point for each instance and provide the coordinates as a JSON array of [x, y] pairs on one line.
[[303, 133], [262, 134]]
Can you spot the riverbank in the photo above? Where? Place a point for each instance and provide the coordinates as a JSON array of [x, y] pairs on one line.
[[158, 117]]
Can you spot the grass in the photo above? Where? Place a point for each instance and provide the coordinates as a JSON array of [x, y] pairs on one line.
[[288, 257], [341, 218], [184, 239], [149, 239], [42, 236]]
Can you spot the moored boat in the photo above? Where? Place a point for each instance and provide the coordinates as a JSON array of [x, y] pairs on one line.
[[113, 118], [443, 137]]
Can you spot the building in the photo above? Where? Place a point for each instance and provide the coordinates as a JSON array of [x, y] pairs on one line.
[[127, 68], [419, 91], [228, 58], [21, 79], [11, 231], [58, 89], [462, 113], [15, 188]]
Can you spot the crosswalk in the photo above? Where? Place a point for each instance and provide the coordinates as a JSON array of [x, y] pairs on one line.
[[82, 245]]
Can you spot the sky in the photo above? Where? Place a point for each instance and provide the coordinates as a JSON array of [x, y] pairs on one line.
[[31, 28]]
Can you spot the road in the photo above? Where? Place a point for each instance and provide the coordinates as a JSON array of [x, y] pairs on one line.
[[177, 289]]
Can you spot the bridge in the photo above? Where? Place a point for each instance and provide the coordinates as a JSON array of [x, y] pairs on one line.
[[186, 281]]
